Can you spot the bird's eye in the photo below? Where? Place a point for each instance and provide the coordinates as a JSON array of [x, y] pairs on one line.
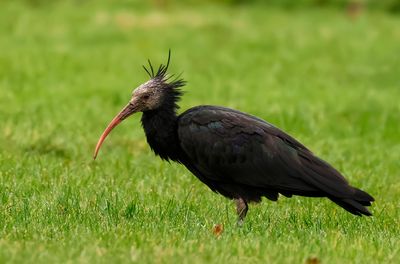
[[146, 96]]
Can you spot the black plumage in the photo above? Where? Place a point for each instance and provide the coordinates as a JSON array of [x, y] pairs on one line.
[[235, 154]]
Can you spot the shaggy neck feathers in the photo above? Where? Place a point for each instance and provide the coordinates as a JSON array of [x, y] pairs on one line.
[[160, 127]]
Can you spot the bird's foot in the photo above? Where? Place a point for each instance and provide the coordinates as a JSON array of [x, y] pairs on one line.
[[240, 222]]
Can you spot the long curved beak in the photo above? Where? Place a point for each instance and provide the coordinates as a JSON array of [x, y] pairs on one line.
[[125, 112]]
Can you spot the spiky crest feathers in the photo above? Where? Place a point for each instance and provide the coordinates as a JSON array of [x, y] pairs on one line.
[[162, 76]]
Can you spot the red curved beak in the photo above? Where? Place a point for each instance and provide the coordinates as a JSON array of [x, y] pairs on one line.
[[125, 112]]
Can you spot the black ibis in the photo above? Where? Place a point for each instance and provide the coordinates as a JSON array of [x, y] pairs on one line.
[[238, 155]]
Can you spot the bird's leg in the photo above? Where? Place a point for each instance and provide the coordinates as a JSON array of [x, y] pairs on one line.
[[241, 209]]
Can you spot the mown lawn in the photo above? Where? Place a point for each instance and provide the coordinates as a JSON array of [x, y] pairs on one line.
[[67, 69]]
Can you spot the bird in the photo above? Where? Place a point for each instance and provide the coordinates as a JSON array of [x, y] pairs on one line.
[[235, 154]]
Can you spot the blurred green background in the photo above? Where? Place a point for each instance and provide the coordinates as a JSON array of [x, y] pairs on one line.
[[327, 72]]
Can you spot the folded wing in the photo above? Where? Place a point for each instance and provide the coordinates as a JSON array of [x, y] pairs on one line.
[[231, 148]]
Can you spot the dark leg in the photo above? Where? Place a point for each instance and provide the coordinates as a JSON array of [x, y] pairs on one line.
[[241, 209]]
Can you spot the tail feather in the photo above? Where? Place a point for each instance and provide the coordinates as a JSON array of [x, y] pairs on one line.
[[328, 180], [356, 203], [363, 197]]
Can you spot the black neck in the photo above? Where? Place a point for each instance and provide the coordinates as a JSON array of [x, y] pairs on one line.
[[160, 127]]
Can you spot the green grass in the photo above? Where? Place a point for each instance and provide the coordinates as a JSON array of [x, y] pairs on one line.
[[66, 70]]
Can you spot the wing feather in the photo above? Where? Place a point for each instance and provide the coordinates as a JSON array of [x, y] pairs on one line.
[[229, 146]]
